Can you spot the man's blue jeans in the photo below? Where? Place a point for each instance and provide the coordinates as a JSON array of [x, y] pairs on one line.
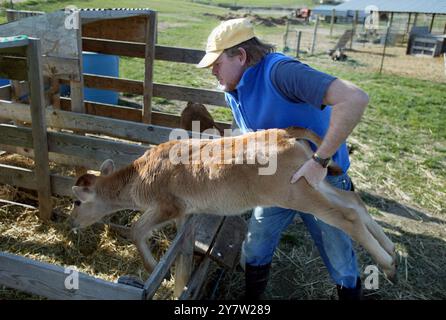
[[335, 247]]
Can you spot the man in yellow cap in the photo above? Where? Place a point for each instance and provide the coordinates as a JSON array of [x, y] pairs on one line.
[[270, 90]]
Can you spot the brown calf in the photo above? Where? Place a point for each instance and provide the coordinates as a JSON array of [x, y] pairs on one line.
[[165, 190]]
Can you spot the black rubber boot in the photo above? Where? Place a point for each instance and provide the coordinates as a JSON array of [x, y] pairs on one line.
[[256, 279], [350, 294]]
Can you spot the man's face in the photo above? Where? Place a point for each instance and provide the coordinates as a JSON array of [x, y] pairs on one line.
[[229, 70]]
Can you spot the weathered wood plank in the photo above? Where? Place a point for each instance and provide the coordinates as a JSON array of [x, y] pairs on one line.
[[176, 92], [113, 83], [167, 91], [14, 136], [122, 29], [137, 50], [48, 280], [58, 158], [176, 54], [105, 110], [131, 114], [149, 134], [59, 119], [166, 119], [83, 147], [125, 113], [40, 142], [16, 176], [184, 261], [62, 68], [149, 59], [24, 178], [229, 241], [196, 282], [207, 226], [77, 87], [163, 266], [94, 148], [61, 185], [120, 48]]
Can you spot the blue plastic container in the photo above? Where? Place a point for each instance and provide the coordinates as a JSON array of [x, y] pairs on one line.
[[100, 64], [4, 82]]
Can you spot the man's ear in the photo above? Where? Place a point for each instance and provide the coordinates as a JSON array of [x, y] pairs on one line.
[[84, 194], [243, 56], [107, 167]]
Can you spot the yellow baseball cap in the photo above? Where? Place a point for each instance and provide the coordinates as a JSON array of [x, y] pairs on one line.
[[226, 35]]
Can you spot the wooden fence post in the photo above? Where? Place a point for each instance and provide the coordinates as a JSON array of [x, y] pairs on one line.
[[313, 42], [149, 58], [40, 142], [285, 36], [299, 38], [385, 42], [184, 261], [333, 15], [432, 22], [415, 19], [355, 22]]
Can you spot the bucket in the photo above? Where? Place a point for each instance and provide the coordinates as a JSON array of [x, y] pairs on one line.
[[100, 64]]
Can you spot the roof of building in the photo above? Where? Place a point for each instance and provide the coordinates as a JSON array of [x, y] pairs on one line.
[[401, 6]]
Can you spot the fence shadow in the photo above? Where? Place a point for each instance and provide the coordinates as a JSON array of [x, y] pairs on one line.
[[393, 207]]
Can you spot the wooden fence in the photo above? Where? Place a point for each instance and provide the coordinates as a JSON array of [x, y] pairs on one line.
[[86, 140]]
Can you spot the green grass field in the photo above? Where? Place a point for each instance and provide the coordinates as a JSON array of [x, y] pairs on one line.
[[399, 148]]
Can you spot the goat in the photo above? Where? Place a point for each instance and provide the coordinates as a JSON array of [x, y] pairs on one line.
[[165, 190], [198, 112]]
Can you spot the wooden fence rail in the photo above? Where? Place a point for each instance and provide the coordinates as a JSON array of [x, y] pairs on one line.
[[48, 280]]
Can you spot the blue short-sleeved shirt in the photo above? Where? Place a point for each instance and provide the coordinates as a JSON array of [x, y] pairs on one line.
[[279, 92], [299, 82]]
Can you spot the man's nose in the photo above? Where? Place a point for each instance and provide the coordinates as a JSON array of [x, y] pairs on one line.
[[214, 70]]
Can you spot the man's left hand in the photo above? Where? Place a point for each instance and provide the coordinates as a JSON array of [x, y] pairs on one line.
[[312, 171]]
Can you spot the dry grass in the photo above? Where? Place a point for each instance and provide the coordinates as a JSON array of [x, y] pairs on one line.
[[98, 251]]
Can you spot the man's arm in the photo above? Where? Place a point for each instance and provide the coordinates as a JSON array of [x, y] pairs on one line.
[[348, 104]]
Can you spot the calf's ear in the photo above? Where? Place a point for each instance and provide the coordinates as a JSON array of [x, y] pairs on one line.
[[107, 167]]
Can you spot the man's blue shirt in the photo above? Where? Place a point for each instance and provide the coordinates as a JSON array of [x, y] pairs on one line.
[[279, 92]]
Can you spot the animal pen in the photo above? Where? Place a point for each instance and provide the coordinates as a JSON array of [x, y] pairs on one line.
[[82, 134]]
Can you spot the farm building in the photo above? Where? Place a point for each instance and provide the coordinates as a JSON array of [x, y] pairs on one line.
[[404, 19], [341, 16]]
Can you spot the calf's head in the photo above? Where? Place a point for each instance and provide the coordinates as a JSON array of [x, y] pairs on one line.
[[90, 205]]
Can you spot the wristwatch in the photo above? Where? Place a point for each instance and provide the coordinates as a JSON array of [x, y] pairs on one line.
[[323, 162]]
